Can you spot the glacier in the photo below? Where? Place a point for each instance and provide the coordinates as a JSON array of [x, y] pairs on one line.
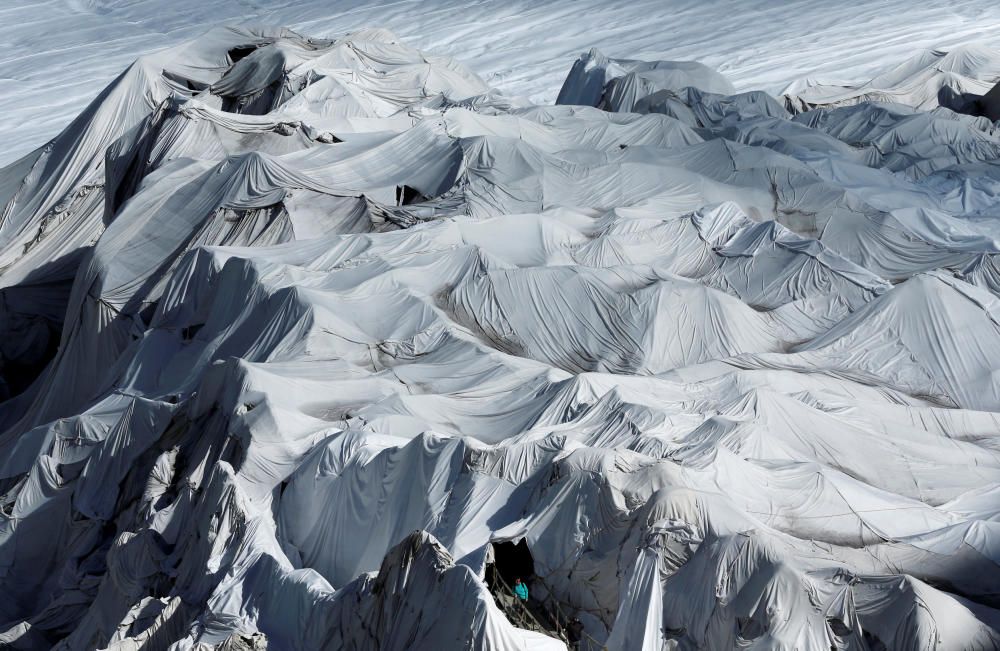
[[301, 336]]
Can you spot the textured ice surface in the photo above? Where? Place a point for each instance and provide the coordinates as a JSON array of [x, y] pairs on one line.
[[294, 329]]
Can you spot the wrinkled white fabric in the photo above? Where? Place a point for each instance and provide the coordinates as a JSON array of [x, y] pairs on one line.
[[333, 317]]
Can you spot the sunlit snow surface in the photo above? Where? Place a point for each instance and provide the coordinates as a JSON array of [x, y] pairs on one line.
[[55, 55], [292, 329]]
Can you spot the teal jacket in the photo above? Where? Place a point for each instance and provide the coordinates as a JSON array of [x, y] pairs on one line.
[[521, 590]]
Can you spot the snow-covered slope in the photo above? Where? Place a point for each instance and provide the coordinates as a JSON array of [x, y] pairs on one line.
[[55, 55], [298, 332]]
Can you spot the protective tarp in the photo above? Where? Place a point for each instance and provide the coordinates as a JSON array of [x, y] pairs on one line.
[[954, 79], [297, 331]]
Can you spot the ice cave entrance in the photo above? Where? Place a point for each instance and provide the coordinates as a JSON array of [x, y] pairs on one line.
[[511, 561], [239, 53], [508, 562]]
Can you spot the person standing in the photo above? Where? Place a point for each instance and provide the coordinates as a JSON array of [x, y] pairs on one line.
[[574, 632]]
